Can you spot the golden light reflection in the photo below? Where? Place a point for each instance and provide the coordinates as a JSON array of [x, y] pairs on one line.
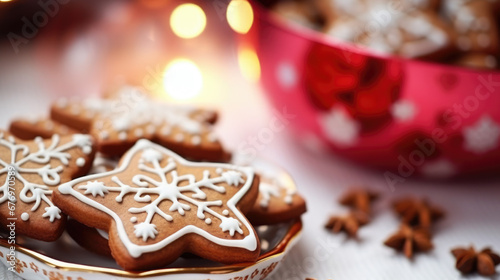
[[240, 16], [249, 64], [182, 79], [188, 21]]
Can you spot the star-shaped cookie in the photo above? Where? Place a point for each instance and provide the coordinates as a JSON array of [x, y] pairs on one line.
[[44, 127], [408, 29], [29, 172], [119, 121], [276, 203], [157, 205]]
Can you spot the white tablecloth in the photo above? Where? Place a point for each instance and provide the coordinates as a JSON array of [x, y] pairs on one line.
[[473, 207]]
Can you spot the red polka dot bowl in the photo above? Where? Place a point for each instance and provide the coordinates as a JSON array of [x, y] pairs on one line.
[[404, 117]]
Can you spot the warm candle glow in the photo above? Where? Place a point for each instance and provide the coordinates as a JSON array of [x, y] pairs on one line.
[[240, 16], [249, 64], [182, 79], [188, 21]]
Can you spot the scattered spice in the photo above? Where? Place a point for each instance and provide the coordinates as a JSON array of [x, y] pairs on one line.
[[359, 199], [410, 240], [349, 223], [417, 212], [469, 260]]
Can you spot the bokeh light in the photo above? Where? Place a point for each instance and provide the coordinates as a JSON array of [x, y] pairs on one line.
[[188, 21], [182, 79], [240, 16], [249, 64]]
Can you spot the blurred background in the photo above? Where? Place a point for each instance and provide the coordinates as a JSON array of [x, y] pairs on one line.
[[332, 101]]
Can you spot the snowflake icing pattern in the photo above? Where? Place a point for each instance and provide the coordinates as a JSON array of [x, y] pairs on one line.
[[35, 193], [159, 178], [274, 189]]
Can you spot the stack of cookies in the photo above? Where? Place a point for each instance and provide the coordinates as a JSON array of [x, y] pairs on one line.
[[458, 32], [141, 181]]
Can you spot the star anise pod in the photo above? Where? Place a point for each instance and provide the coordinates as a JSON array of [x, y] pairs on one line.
[[417, 212], [469, 260], [410, 240], [359, 199], [349, 223]]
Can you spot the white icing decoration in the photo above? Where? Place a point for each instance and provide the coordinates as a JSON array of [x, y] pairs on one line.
[[208, 221], [138, 132], [179, 137], [469, 24], [52, 212], [225, 212], [165, 131], [145, 230], [94, 188], [196, 140], [212, 138], [387, 29], [102, 164], [268, 190], [87, 150], [104, 135], [121, 124], [151, 155], [132, 109], [168, 189], [133, 220], [122, 135], [25, 216], [232, 225], [33, 193], [80, 162], [150, 129]]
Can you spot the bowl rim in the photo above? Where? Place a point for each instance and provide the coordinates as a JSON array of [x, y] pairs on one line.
[[294, 232], [325, 39]]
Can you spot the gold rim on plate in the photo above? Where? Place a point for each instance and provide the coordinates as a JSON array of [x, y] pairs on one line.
[[293, 232]]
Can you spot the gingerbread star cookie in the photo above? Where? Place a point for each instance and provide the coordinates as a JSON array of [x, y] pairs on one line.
[[331, 9], [28, 129], [157, 205], [408, 30], [93, 240], [29, 173], [298, 12], [276, 203], [475, 23], [118, 122], [477, 60]]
